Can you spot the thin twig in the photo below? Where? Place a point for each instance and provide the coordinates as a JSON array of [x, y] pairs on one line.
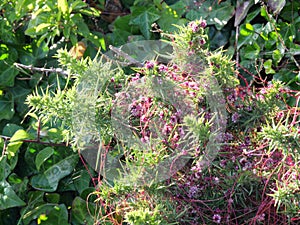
[[43, 70], [131, 60], [37, 141]]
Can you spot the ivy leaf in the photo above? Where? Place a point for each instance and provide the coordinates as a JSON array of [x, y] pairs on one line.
[[169, 17], [7, 76], [145, 19], [6, 109], [42, 156], [8, 197], [80, 213], [10, 129], [268, 67], [217, 14], [48, 181]]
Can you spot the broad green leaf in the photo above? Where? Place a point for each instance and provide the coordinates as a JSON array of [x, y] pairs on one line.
[[19, 135], [119, 37], [48, 181], [7, 76], [36, 212], [168, 18], [6, 108], [81, 180], [277, 56], [42, 156], [20, 185], [8, 197], [268, 67], [52, 197], [80, 213], [4, 168], [10, 129], [216, 14], [42, 26], [62, 6], [57, 215], [145, 19], [13, 147], [122, 23], [250, 51]]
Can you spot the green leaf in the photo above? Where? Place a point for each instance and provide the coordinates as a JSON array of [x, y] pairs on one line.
[[277, 56], [250, 51], [19, 136], [6, 109], [7, 76], [10, 129], [216, 14], [80, 213], [4, 168], [145, 19], [42, 156], [36, 212], [48, 181], [57, 215], [268, 67], [8, 197], [42, 26], [62, 6], [52, 197], [168, 18], [122, 23], [81, 180]]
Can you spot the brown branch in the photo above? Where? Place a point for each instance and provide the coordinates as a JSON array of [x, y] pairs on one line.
[[38, 142]]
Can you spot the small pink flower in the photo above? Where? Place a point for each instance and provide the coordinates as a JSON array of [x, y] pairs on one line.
[[203, 24], [217, 218], [149, 65]]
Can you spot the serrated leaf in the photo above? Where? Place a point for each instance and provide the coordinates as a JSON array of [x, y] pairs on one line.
[[145, 19], [48, 181], [8, 197], [42, 156]]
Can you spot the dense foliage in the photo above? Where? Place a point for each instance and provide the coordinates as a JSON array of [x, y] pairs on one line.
[[210, 87]]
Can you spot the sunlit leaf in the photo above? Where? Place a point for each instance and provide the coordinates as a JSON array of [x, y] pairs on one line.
[[268, 67], [42, 156]]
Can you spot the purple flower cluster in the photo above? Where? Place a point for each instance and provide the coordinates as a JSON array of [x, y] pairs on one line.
[[197, 25]]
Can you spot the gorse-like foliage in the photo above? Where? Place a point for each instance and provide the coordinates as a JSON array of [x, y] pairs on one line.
[[169, 131]]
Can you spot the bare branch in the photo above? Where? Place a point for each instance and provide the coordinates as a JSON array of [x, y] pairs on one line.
[[43, 70]]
